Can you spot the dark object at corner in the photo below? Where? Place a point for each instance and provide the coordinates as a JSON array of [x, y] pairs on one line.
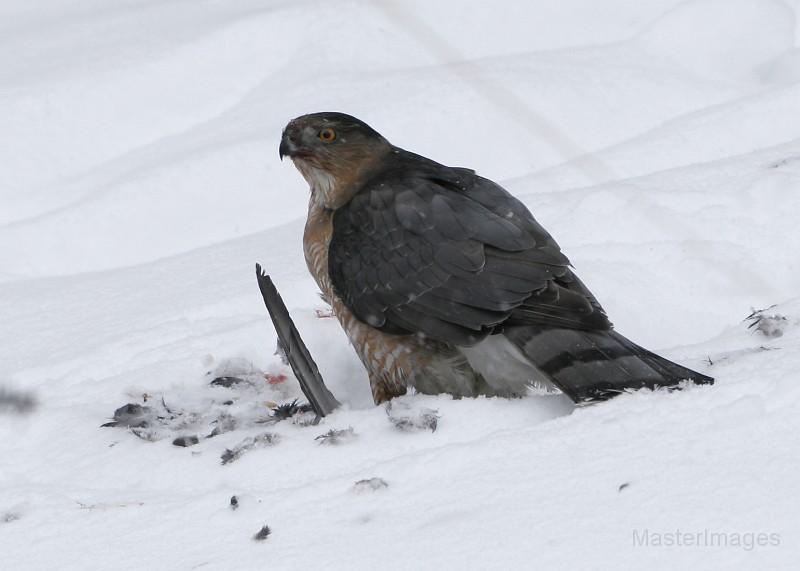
[[303, 365]]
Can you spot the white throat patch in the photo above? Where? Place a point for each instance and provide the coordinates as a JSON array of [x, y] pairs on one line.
[[321, 182]]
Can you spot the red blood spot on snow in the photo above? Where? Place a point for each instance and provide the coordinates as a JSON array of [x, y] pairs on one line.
[[275, 379]]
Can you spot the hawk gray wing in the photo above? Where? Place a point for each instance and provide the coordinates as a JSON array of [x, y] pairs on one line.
[[424, 248]]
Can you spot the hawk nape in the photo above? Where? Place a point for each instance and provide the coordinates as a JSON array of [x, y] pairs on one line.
[[445, 282]]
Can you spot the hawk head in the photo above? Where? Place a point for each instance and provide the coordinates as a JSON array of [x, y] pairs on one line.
[[333, 152]]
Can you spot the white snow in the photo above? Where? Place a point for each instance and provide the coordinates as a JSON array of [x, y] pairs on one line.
[[658, 141]]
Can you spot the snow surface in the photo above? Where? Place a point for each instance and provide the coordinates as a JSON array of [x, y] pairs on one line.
[[658, 141]]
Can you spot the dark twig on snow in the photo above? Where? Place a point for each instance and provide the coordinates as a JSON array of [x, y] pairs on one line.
[[303, 365]]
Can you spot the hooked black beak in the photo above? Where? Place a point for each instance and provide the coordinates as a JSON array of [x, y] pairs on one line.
[[290, 143], [286, 147], [283, 150]]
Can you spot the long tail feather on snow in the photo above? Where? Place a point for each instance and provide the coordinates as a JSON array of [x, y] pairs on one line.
[[597, 365], [305, 369]]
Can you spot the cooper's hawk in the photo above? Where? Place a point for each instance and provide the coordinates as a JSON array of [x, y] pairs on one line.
[[445, 282]]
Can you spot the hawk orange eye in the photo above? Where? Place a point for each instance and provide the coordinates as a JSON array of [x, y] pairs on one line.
[[327, 135]]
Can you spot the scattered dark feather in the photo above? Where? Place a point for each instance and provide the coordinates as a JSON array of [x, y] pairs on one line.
[[769, 324], [289, 409], [227, 382], [131, 415], [370, 485], [185, 441], [423, 419], [337, 436], [263, 533], [260, 441]]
